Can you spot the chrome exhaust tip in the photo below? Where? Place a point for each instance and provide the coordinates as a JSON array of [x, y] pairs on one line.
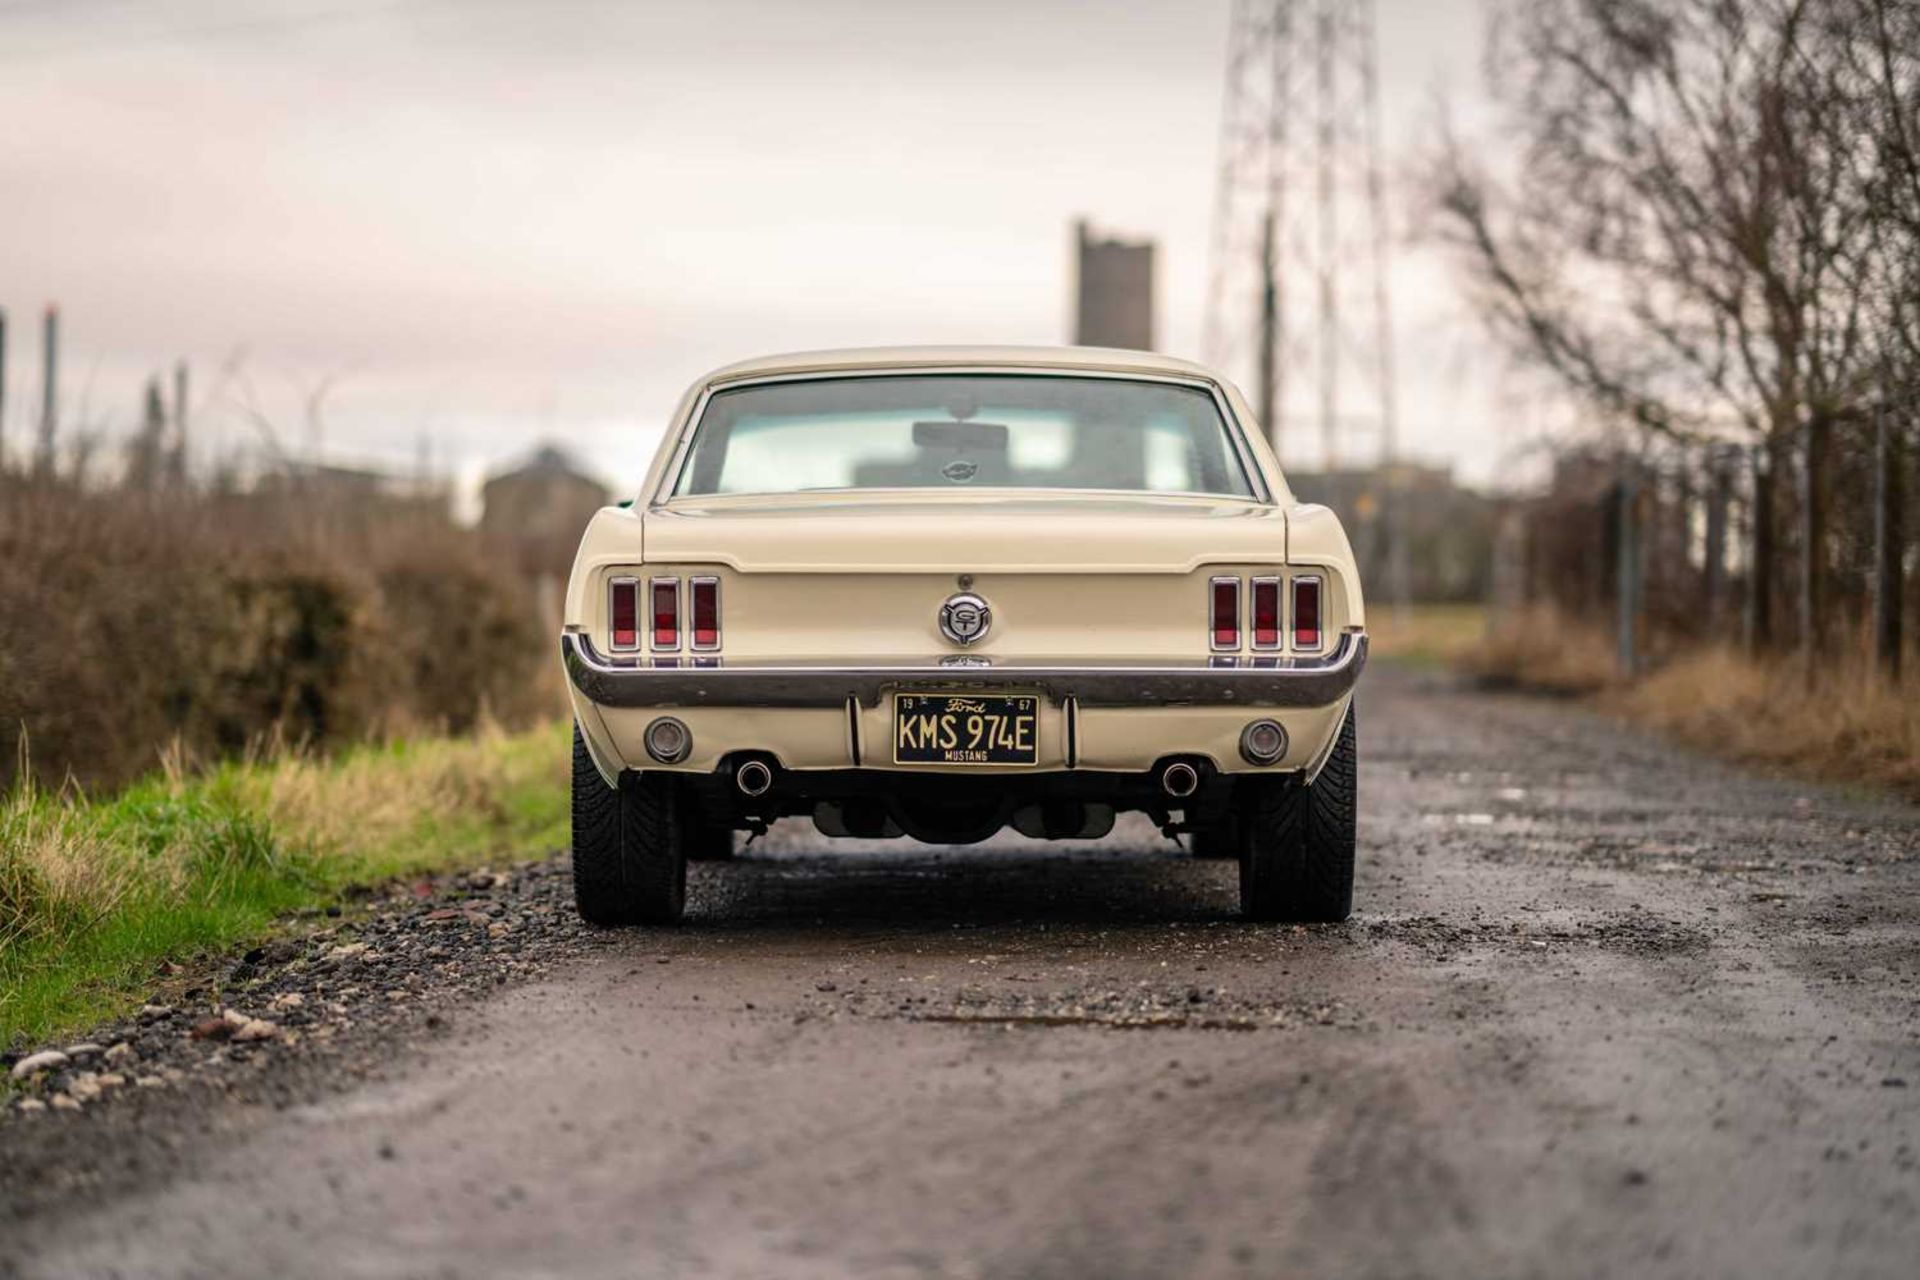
[[753, 778], [1179, 779]]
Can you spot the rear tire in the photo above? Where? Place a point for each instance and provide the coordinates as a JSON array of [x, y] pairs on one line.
[[1297, 843], [629, 845]]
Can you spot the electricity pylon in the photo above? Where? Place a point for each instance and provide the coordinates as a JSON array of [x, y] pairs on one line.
[[1299, 303]]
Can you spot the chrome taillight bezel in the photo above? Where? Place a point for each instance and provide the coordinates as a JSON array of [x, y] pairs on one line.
[[1255, 587], [672, 643], [1214, 642], [1317, 584], [614, 586], [694, 588]]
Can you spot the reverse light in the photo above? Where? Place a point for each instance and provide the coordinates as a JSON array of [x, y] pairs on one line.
[[666, 613], [1306, 613], [1224, 612], [623, 612], [1262, 742], [668, 740], [1265, 619], [704, 609]]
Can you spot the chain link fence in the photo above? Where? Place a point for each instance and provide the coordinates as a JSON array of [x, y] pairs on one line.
[[1800, 542]]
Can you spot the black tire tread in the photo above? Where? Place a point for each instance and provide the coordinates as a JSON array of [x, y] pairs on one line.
[[599, 883], [656, 856], [1333, 829], [1297, 843], [629, 863]]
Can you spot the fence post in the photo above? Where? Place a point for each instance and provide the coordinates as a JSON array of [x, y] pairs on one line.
[[1719, 485], [1766, 459], [1627, 591], [1813, 527], [1888, 542], [177, 453], [3, 390], [49, 389]]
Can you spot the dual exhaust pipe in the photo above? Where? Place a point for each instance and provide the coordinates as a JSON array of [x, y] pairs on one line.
[[752, 778], [1179, 779]]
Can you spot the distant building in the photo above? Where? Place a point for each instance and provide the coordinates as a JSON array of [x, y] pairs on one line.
[[1113, 291], [1448, 530], [538, 510]]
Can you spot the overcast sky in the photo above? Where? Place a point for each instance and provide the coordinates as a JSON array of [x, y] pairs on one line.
[[490, 222]]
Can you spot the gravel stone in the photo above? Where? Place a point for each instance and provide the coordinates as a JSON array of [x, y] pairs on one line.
[[34, 1063]]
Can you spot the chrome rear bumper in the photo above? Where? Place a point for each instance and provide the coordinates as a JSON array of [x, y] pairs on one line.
[[1220, 681]]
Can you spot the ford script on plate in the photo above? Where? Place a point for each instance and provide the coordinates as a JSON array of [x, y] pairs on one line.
[[943, 728]]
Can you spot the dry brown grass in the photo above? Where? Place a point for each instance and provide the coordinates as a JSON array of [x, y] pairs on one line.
[[378, 799], [1542, 650], [1850, 723], [1843, 722]]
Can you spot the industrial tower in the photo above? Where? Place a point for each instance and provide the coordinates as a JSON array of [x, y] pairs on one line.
[[1298, 303]]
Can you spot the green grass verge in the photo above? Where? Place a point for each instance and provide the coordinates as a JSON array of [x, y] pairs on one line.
[[96, 893]]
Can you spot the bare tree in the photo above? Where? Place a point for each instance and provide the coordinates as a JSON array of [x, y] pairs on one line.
[[1696, 236]]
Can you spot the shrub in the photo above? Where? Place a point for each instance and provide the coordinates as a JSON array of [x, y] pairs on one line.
[[132, 622]]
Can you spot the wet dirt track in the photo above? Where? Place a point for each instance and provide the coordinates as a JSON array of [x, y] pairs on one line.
[[1604, 1009]]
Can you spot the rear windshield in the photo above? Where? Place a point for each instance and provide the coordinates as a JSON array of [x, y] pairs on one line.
[[958, 431]]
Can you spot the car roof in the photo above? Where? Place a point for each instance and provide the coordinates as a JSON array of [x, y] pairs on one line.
[[867, 359]]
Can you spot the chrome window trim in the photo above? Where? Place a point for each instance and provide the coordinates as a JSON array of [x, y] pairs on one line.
[[653, 616], [693, 633], [1279, 613], [1213, 637], [613, 584], [663, 495]]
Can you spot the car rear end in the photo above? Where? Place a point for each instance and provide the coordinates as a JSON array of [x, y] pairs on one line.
[[935, 657]]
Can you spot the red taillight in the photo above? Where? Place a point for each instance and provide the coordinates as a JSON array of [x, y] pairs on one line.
[[706, 612], [1306, 613], [1265, 621], [623, 612], [666, 613], [1225, 621]]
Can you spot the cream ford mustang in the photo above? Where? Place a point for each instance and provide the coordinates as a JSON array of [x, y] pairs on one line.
[[937, 592]]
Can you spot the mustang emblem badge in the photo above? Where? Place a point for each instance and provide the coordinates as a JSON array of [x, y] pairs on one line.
[[965, 618]]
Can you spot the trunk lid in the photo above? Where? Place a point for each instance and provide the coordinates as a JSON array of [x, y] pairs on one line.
[[976, 534], [1065, 578]]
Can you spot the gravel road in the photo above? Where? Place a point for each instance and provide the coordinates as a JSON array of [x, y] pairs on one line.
[[1605, 1008]]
